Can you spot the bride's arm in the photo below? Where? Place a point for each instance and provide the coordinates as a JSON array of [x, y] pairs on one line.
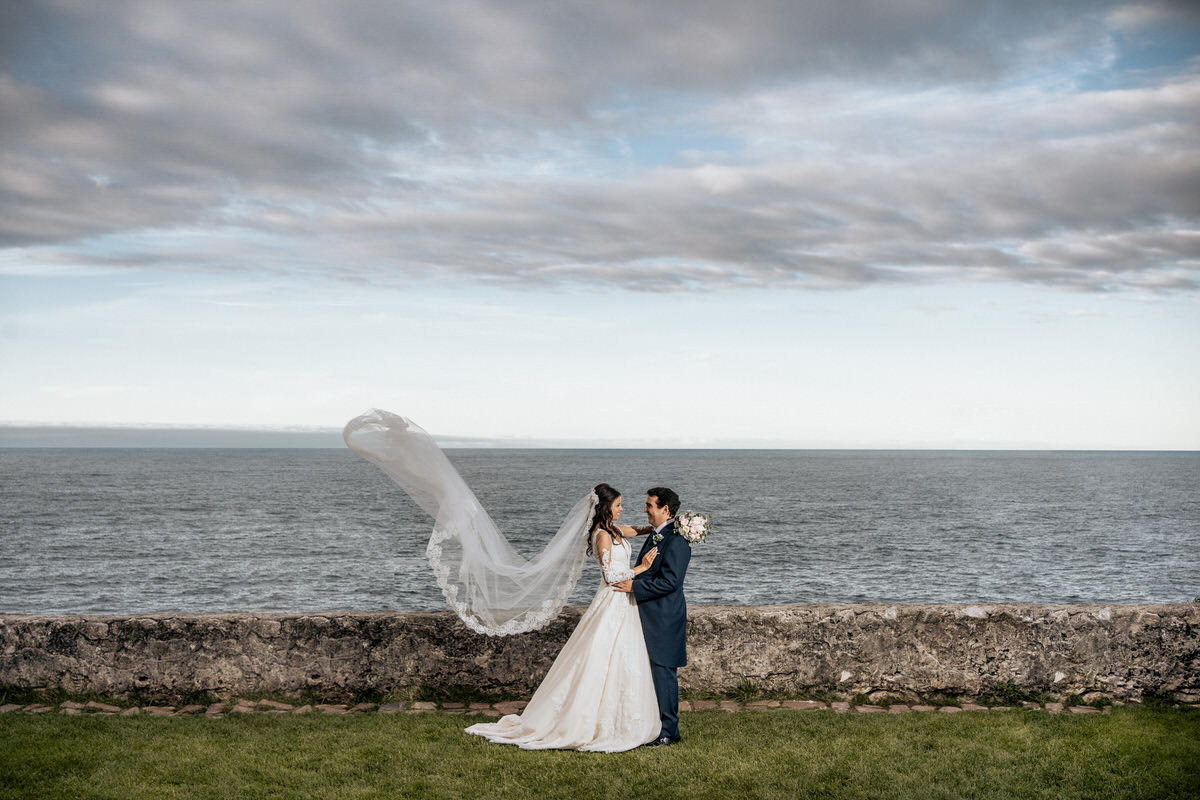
[[614, 575], [604, 554], [629, 531]]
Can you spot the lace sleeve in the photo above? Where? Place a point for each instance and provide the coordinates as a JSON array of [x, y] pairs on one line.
[[604, 552]]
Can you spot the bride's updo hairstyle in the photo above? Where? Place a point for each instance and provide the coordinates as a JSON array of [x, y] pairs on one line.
[[605, 495]]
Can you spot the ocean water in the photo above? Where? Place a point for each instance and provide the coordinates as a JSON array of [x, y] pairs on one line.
[[151, 530]]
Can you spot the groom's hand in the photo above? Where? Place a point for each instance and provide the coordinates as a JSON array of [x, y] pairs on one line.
[[623, 586]]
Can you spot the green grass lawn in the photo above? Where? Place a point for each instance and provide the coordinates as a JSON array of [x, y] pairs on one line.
[[1142, 753]]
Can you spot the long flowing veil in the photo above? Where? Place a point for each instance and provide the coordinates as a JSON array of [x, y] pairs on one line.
[[492, 587]]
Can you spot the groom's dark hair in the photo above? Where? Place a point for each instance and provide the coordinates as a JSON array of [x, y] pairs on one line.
[[666, 497]]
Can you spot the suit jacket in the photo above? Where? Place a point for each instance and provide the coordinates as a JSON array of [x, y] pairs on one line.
[[661, 604]]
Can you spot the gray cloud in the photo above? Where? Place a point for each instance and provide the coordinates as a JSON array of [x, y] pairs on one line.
[[835, 146]]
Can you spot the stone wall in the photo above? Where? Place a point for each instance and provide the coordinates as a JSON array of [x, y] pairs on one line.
[[1122, 651]]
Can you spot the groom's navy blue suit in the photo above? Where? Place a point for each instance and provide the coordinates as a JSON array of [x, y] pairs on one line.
[[663, 609]]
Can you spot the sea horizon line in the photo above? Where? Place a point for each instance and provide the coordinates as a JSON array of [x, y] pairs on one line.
[[195, 436]]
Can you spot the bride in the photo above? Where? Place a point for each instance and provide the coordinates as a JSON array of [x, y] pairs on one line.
[[598, 695]]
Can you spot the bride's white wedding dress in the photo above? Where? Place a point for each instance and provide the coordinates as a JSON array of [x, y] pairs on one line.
[[598, 695]]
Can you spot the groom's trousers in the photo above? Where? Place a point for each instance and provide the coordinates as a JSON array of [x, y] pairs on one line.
[[666, 686]]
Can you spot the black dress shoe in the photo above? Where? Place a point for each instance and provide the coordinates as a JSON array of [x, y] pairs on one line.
[[661, 741]]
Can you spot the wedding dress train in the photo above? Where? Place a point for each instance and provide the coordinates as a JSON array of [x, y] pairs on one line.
[[598, 695]]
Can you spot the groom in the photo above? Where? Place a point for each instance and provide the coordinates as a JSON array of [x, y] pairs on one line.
[[662, 607]]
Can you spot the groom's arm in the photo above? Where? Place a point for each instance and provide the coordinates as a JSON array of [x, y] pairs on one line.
[[667, 579]]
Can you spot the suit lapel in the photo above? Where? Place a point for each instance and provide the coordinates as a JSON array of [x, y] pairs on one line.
[[649, 543], [645, 549]]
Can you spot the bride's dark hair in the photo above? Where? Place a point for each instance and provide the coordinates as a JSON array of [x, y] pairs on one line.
[[605, 495]]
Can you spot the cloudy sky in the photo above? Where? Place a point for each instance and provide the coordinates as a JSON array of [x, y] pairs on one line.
[[902, 223]]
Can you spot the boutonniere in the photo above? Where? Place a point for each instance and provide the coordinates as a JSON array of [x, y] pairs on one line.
[[656, 538]]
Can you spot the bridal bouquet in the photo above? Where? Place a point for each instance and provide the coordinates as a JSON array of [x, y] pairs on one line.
[[693, 526]]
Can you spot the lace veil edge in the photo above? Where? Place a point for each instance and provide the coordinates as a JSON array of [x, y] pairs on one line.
[[492, 589]]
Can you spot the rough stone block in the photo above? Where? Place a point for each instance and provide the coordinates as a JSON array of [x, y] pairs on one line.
[[275, 704], [267, 628], [391, 708], [763, 704], [804, 705], [95, 630]]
